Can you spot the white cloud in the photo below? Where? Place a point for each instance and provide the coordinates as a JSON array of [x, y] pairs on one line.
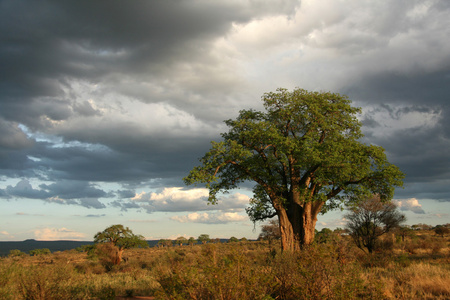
[[210, 218], [176, 199], [50, 234], [411, 204], [6, 234], [332, 224]]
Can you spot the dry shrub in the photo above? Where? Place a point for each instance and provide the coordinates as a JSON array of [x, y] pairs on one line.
[[437, 246], [107, 255], [45, 281], [385, 244], [412, 247], [318, 272], [213, 275]]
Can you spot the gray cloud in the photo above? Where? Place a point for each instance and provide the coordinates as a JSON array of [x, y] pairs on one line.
[[95, 216], [62, 192], [97, 92]]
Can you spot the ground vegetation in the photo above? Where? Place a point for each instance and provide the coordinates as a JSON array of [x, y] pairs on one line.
[[416, 268]]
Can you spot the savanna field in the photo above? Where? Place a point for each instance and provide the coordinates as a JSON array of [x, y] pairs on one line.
[[415, 266]]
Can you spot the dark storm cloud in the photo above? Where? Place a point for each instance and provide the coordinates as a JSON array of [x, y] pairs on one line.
[[131, 93], [417, 150], [12, 137], [45, 44], [62, 192], [46, 48], [126, 193], [23, 189], [415, 87]]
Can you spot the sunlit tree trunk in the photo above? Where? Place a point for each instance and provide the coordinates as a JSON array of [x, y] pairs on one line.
[[297, 225], [308, 224], [118, 257], [287, 232]]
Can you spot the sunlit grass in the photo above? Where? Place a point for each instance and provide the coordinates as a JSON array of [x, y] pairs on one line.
[[417, 268]]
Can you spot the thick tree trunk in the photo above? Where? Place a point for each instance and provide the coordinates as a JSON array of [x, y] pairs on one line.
[[118, 258], [308, 222], [298, 227], [288, 240]]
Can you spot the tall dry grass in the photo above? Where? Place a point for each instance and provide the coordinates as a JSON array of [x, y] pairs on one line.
[[416, 268]]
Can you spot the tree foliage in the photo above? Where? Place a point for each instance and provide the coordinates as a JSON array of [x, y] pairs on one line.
[[192, 241], [233, 239], [17, 252], [181, 240], [270, 231], [122, 237], [304, 154], [204, 238], [370, 219], [43, 251], [325, 235]]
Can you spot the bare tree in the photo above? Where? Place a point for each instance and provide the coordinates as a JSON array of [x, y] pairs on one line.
[[371, 219], [270, 231]]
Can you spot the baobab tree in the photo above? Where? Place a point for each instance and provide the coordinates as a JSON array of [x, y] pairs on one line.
[[304, 154], [120, 238]]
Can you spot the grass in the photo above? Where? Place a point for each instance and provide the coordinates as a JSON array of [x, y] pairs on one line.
[[417, 268]]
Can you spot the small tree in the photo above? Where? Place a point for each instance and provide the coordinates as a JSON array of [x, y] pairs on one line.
[[120, 238], [204, 238], [371, 219], [441, 230], [181, 240], [403, 232], [325, 235], [161, 243], [270, 231], [192, 241], [16, 252], [233, 239]]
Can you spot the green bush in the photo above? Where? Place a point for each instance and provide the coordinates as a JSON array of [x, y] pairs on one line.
[[16, 253], [42, 251]]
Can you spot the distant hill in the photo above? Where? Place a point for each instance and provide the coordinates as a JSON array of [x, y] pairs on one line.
[[27, 245], [31, 244]]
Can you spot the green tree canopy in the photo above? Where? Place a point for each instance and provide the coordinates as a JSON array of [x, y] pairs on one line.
[[192, 241], [181, 240], [204, 238], [233, 239], [305, 155]]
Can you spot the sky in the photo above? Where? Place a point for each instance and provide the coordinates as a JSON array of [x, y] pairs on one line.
[[106, 105]]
